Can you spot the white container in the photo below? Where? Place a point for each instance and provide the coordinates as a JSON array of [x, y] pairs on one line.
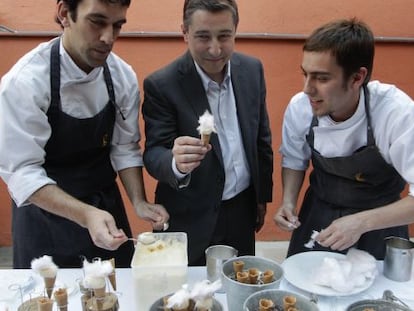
[[159, 266]]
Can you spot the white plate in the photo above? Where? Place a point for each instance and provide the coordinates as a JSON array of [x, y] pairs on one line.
[[299, 269]]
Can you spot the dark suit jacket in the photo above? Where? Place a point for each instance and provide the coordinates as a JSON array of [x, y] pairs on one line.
[[174, 100]]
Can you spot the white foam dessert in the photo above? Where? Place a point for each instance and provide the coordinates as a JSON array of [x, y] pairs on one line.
[[44, 266]]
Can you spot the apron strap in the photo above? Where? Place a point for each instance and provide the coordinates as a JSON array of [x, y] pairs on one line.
[[55, 79]]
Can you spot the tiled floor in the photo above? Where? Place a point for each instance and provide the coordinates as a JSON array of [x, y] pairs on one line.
[[6, 254], [272, 250]]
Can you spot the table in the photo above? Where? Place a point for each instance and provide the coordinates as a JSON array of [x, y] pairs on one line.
[[403, 290]]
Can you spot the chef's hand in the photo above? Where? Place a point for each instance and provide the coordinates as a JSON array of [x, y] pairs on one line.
[[286, 219], [156, 214], [342, 233], [103, 230], [188, 153], [261, 213]]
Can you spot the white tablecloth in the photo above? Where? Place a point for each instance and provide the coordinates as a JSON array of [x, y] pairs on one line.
[[68, 277]]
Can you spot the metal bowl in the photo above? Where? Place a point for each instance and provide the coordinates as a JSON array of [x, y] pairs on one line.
[[376, 305], [237, 292], [159, 305], [276, 295], [388, 302]]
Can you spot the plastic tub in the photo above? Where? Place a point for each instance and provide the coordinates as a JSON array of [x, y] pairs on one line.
[[159, 266]]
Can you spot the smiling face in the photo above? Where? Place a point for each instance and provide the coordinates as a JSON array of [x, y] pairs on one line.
[[90, 38], [210, 38], [328, 92]]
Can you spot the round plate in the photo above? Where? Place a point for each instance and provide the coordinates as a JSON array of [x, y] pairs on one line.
[[299, 270]]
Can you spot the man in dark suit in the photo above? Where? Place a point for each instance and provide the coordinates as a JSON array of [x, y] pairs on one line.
[[216, 193]]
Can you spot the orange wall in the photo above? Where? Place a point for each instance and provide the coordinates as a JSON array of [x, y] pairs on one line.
[[151, 40]]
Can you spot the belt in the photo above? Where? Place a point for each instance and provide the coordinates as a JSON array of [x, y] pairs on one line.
[[238, 196]]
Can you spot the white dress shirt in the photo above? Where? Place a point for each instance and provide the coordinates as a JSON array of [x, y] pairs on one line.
[[223, 107], [25, 98], [392, 115]]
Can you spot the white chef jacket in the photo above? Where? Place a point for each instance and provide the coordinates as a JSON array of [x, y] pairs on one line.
[[25, 98], [392, 121]]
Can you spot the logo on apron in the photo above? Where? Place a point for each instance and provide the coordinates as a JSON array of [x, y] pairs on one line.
[[105, 140], [359, 177]]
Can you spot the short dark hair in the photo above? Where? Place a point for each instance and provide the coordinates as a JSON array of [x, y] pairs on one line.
[[350, 41], [190, 6], [73, 6]]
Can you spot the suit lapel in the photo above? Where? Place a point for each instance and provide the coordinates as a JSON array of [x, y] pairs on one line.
[[195, 94]]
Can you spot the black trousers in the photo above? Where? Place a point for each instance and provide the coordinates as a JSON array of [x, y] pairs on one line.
[[37, 233], [236, 224]]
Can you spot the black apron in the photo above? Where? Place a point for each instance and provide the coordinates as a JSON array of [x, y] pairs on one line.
[[346, 185], [77, 158]]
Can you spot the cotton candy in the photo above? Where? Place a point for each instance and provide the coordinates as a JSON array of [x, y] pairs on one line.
[[344, 275]]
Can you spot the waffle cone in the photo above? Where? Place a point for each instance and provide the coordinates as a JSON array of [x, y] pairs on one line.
[[49, 284], [205, 138], [238, 266], [45, 304], [112, 276], [289, 302], [61, 297], [267, 276], [99, 292], [266, 305]]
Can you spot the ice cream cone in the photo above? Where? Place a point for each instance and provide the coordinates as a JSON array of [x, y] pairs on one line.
[[45, 304], [49, 285], [206, 127], [206, 304], [84, 301], [112, 276], [61, 297], [99, 294], [205, 138]]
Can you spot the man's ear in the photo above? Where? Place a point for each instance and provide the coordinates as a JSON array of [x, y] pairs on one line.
[[62, 13], [359, 77], [185, 32]]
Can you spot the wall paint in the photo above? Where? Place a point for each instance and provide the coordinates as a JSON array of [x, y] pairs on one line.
[[281, 58]]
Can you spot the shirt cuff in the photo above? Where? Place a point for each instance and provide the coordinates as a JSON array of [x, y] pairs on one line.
[[183, 179]]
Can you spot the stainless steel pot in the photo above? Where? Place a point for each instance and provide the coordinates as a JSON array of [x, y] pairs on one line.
[[388, 302]]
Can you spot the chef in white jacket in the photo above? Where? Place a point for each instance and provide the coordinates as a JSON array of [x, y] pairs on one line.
[[359, 136], [68, 125]]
